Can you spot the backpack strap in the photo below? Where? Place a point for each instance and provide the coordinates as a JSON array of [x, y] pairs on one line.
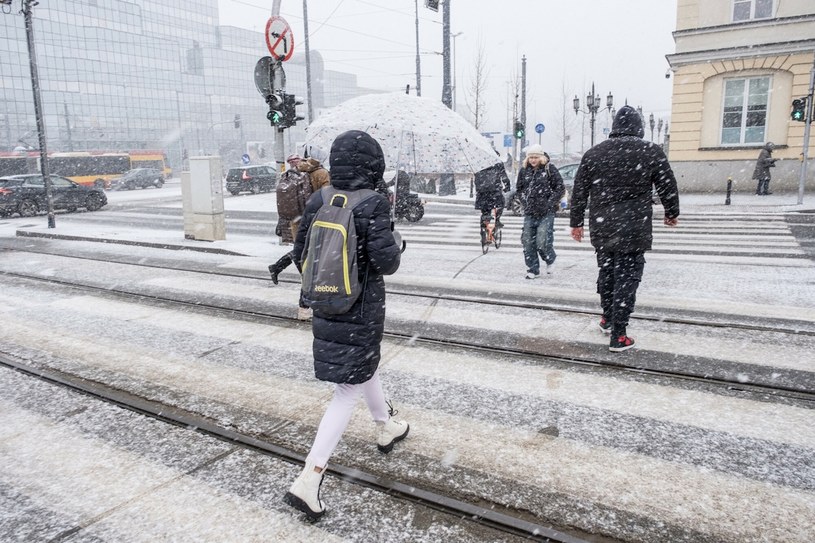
[[352, 197]]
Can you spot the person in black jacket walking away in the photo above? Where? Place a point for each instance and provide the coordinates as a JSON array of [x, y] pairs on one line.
[[762, 172], [347, 346], [618, 176], [541, 187], [490, 184]]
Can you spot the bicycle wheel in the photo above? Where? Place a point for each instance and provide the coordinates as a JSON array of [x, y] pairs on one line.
[[485, 247], [496, 238]]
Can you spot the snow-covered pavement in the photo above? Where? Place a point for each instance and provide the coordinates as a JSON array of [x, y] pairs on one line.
[[614, 453]]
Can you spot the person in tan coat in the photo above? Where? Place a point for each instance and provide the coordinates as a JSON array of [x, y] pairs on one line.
[[313, 165]]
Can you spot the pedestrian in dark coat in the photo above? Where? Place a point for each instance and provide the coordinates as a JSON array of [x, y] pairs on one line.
[[490, 184], [347, 346], [618, 176], [762, 172], [541, 187]]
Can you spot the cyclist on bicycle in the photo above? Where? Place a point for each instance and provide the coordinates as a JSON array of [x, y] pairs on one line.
[[489, 183]]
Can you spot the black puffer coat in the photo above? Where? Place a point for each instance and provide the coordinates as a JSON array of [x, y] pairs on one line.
[[489, 185], [346, 347], [617, 175], [540, 188]]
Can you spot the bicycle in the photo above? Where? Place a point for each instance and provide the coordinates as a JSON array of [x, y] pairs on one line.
[[490, 234]]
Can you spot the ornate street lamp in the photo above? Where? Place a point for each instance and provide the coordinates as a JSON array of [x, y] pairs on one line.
[[592, 107]]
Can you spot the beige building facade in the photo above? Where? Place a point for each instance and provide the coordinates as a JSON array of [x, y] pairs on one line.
[[738, 65]]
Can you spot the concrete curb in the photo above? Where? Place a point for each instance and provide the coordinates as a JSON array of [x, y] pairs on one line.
[[170, 246]]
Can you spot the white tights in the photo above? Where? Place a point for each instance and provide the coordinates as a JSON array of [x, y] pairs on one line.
[[338, 415]]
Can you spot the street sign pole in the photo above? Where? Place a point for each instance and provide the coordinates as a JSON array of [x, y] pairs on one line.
[[807, 128]]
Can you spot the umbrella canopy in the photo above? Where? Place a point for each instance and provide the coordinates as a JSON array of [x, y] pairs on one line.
[[417, 134]]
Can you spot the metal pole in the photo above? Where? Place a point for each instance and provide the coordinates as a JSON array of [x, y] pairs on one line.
[[180, 133], [593, 110], [418, 62], [35, 88], [807, 129], [308, 63], [446, 91], [68, 127], [523, 95]]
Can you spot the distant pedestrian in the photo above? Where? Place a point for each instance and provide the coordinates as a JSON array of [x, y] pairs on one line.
[[762, 172], [347, 346], [293, 190], [540, 187], [618, 177], [490, 184], [313, 166]]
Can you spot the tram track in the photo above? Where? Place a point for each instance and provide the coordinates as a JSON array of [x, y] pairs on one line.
[[492, 515], [640, 315], [417, 338]]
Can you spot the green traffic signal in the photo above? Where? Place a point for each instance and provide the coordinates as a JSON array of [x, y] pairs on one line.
[[276, 117], [799, 109], [520, 130]]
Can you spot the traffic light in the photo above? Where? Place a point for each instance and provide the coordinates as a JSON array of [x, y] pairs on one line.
[[237, 120], [799, 106], [275, 114], [290, 103], [520, 130]]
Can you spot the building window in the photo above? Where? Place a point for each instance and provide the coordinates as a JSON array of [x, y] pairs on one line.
[[744, 10], [744, 119]]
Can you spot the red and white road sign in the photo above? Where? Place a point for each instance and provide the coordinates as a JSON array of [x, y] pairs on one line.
[[279, 38]]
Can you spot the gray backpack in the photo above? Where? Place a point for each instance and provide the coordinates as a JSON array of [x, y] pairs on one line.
[[330, 274]]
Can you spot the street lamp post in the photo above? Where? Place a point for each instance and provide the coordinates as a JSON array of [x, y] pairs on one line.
[[659, 130], [592, 107], [651, 124], [455, 87]]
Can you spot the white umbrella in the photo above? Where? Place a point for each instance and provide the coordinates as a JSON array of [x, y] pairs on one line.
[[417, 135]]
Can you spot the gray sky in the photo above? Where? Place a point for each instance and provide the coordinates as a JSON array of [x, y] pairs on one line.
[[619, 44]]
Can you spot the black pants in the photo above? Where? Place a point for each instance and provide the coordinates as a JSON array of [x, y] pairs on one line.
[[617, 283], [763, 186]]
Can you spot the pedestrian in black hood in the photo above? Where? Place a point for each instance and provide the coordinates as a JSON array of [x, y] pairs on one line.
[[347, 346], [762, 172], [618, 177]]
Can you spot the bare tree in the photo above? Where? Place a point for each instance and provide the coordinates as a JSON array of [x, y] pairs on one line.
[[476, 98], [568, 122]]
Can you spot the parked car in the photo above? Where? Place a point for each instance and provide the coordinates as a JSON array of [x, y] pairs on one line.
[[254, 179], [568, 172], [25, 195], [139, 178]]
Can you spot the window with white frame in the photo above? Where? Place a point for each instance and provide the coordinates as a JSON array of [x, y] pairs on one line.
[[744, 116], [744, 10]]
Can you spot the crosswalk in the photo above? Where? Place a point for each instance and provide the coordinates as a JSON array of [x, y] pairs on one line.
[[733, 236]]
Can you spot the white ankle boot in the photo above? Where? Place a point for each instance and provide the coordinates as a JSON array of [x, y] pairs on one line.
[[304, 494], [389, 432]]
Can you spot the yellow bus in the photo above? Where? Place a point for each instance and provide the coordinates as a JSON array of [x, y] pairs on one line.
[[148, 158], [91, 168]]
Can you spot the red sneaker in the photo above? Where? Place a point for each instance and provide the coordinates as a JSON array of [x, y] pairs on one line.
[[605, 326], [620, 344]]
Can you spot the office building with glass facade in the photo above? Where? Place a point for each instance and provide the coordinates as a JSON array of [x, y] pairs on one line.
[[146, 74]]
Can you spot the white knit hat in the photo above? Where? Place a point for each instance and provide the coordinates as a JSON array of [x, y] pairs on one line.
[[534, 149]]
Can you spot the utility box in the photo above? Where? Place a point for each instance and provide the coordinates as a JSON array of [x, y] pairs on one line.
[[203, 199]]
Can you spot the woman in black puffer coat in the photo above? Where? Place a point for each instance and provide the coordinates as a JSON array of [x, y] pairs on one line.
[[347, 346]]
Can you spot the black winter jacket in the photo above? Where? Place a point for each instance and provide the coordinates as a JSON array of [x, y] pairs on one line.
[[617, 176], [540, 188], [489, 185], [346, 347]]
